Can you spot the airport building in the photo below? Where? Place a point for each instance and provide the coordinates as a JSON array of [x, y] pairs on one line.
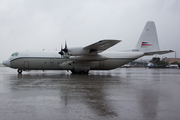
[[171, 60]]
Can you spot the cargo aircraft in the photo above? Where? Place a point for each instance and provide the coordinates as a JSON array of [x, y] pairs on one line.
[[84, 59]]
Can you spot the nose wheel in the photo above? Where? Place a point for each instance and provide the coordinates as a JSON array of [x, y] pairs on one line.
[[19, 71]]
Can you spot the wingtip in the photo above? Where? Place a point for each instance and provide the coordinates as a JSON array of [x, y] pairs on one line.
[[171, 51]]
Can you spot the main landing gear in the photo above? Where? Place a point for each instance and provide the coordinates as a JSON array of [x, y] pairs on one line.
[[19, 71], [79, 72]]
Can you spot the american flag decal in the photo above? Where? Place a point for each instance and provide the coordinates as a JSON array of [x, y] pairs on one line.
[[146, 44]]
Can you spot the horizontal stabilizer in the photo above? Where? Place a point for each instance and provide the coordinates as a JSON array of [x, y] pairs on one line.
[[158, 52]]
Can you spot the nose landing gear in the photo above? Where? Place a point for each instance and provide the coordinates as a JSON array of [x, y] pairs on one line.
[[19, 71]]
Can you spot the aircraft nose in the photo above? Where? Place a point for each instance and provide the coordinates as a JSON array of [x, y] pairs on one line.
[[6, 63]]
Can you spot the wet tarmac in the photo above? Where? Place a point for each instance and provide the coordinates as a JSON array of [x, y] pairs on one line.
[[121, 94]]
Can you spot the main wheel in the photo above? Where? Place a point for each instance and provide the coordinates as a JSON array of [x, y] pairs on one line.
[[74, 72], [79, 72], [19, 71]]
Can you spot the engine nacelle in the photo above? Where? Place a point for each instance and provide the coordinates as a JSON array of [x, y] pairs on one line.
[[88, 58], [77, 51]]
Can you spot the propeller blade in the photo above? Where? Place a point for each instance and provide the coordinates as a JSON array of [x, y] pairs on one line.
[[61, 52], [64, 52], [65, 49], [65, 45]]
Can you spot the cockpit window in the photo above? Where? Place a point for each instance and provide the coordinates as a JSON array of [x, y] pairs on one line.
[[15, 54]]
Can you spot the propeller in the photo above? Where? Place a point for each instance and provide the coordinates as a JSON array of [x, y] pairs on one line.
[[64, 51], [61, 52]]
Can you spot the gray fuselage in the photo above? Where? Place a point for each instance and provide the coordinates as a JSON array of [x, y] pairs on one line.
[[53, 61]]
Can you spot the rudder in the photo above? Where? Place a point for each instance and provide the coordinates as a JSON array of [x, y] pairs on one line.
[[148, 40]]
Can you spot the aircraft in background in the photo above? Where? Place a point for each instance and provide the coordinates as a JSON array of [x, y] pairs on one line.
[[84, 59]]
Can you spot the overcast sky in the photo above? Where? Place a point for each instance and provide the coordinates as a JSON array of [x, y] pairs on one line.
[[46, 24]]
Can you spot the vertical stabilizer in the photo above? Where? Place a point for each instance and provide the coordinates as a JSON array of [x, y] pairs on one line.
[[148, 41]]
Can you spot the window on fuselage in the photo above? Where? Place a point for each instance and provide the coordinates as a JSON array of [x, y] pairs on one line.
[[15, 54]]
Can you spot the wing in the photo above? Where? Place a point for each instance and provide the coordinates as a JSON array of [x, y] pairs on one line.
[[158, 52], [101, 46]]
